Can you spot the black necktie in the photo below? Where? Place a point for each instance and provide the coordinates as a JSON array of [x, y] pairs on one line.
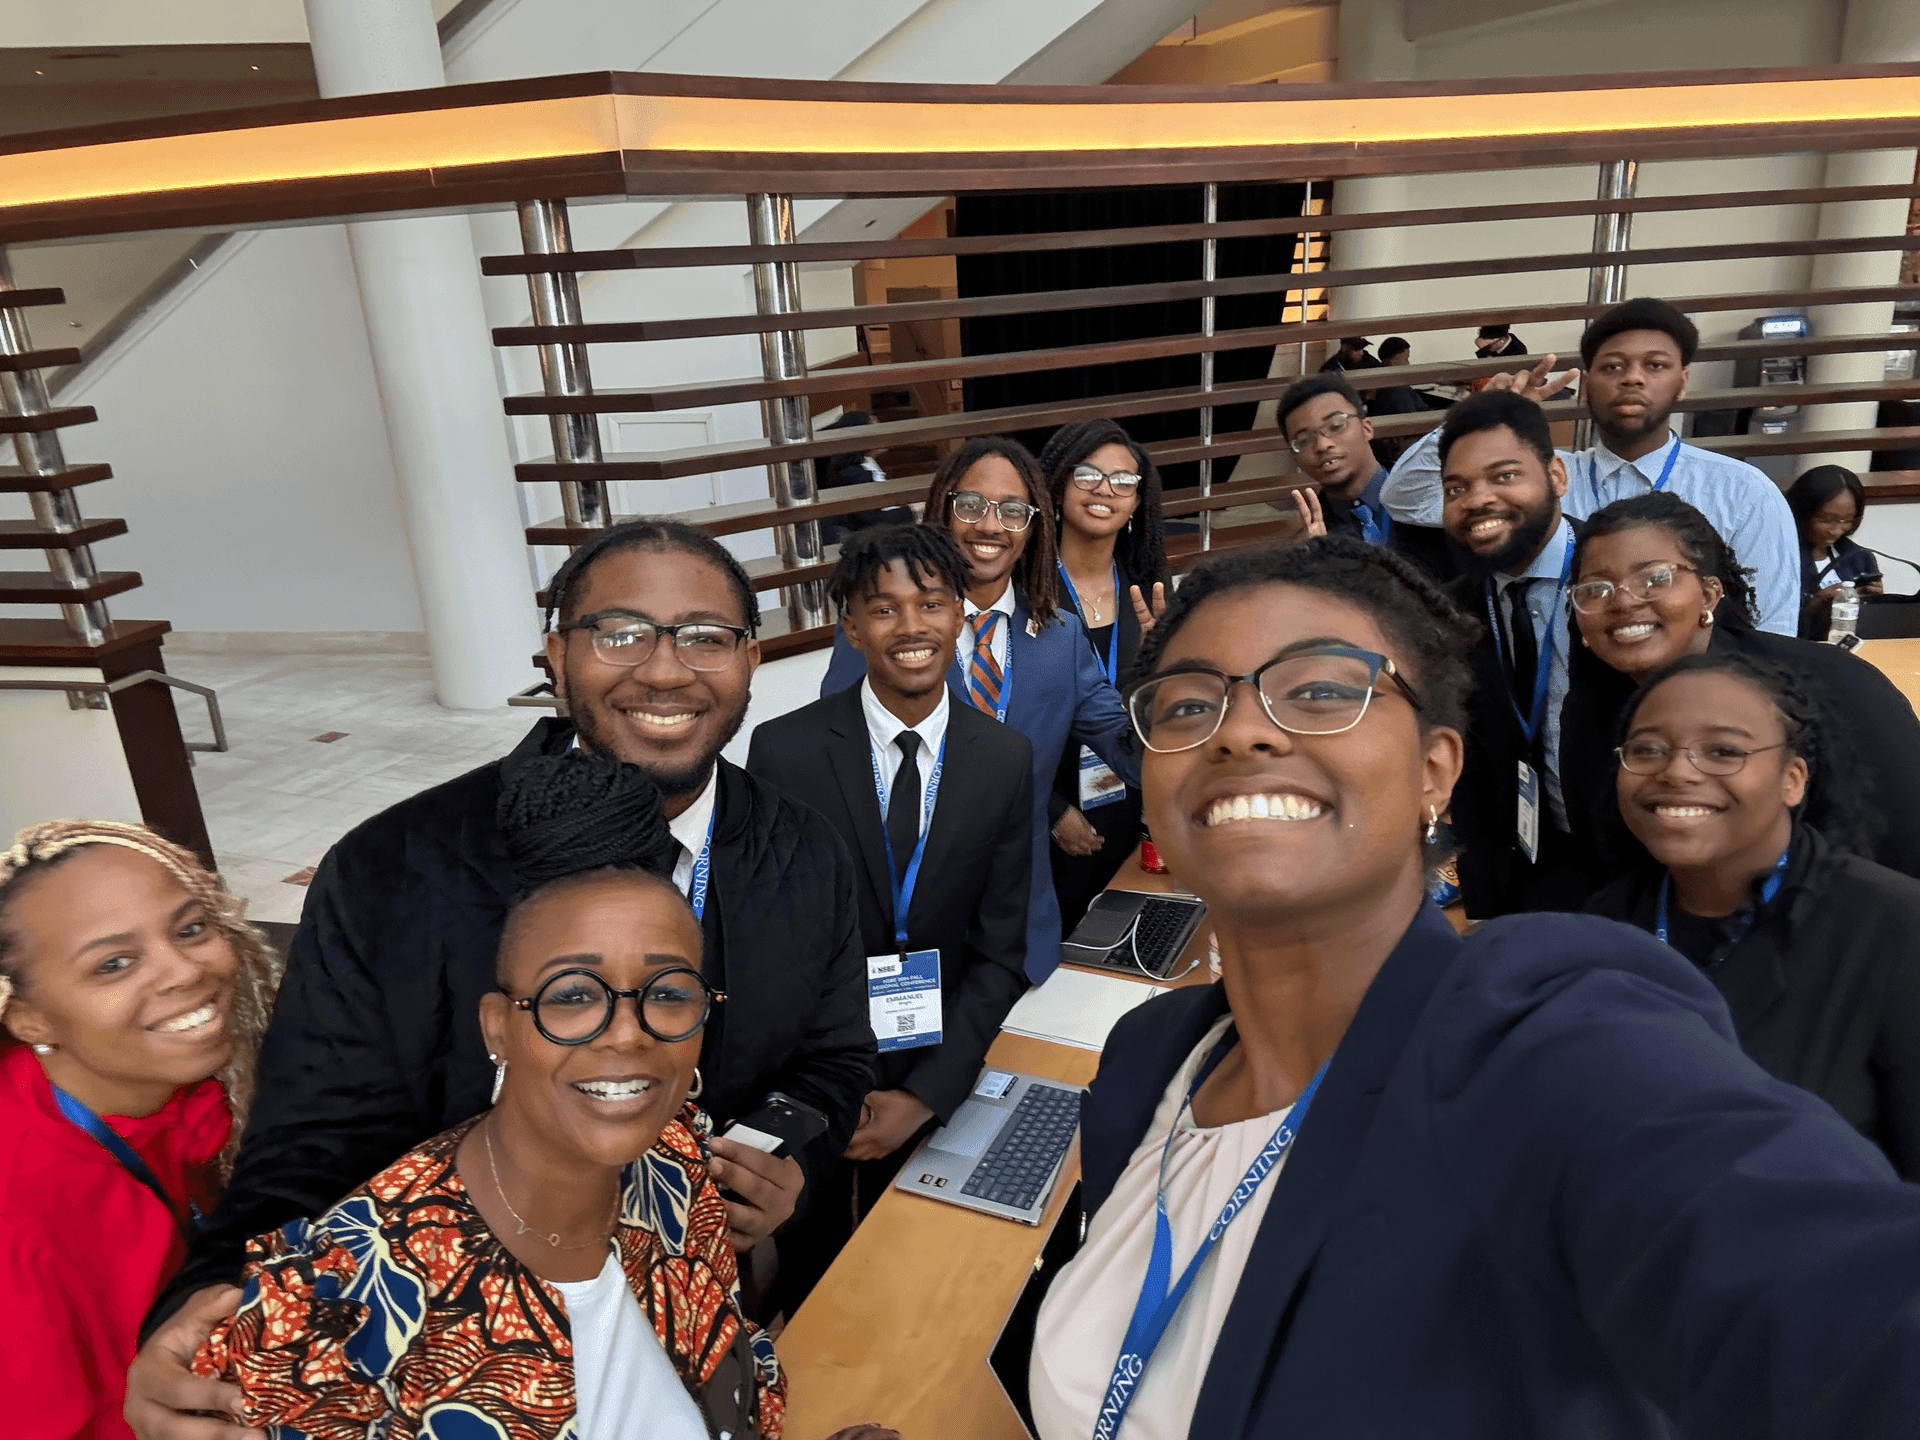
[[1526, 650], [903, 804]]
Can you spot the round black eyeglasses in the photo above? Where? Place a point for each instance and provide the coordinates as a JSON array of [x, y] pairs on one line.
[[573, 1007]]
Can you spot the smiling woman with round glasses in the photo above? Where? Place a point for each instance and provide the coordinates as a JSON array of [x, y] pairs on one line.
[[1740, 786], [1653, 583], [1383, 1180]]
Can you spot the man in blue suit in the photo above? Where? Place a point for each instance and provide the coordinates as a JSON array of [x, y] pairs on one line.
[[1019, 659]]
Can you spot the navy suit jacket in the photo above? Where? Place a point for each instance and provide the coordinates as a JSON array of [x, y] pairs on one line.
[[1059, 698], [1542, 1193]]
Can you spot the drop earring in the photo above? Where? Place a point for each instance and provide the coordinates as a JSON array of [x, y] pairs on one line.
[[499, 1077], [1433, 825], [695, 1090], [1706, 619]]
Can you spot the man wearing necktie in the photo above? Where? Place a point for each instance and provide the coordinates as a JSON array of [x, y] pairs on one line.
[[1327, 429], [1520, 850]]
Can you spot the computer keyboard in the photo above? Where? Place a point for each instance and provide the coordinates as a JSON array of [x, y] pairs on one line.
[[1019, 1163], [1160, 934]]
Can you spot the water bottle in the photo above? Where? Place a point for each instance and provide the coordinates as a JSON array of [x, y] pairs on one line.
[[1846, 614]]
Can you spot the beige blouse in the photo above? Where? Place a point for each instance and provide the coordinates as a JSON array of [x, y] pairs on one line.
[[1084, 1318]]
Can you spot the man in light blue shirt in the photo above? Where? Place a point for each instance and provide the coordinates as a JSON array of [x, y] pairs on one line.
[[1636, 357]]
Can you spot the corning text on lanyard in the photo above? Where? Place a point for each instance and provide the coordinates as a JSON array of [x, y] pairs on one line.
[[702, 869]]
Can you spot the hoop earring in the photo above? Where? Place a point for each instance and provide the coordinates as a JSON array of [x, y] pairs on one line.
[[1706, 619], [698, 1088], [43, 1049], [499, 1077], [1433, 825]]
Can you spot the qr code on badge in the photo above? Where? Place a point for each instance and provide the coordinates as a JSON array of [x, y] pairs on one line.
[[903, 1024]]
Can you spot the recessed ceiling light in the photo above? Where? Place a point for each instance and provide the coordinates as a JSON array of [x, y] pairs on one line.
[[253, 67]]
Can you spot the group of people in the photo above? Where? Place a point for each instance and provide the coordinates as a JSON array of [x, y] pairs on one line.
[[584, 1066]]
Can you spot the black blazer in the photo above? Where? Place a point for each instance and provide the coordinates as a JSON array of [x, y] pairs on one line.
[[1542, 1193], [375, 1040], [1882, 725], [970, 901], [1825, 986]]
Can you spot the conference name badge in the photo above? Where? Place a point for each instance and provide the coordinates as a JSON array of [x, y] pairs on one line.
[[903, 999], [1098, 784], [1529, 817]]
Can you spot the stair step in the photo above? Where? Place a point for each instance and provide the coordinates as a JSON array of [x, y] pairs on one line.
[[40, 587], [16, 481], [49, 642], [39, 359], [28, 534], [21, 299], [53, 420]]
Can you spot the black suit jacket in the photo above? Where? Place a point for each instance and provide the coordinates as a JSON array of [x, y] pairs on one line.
[[375, 1040], [970, 902]]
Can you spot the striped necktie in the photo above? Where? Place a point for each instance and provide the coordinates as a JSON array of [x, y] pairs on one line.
[[983, 671]]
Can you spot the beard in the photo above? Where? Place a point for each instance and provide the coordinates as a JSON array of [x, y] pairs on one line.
[[1618, 436], [673, 781], [1527, 538]]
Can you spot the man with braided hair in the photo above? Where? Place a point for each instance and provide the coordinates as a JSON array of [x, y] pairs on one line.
[[375, 1046]]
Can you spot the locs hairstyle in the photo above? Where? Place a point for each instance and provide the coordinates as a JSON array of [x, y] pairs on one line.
[[929, 553], [1034, 572], [1696, 538], [1642, 314], [648, 534], [1142, 547]]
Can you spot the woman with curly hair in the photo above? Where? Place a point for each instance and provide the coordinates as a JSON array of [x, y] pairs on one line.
[[133, 997], [1740, 786]]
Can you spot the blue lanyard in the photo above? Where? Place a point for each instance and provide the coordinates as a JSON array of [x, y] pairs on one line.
[[1543, 672], [1006, 671], [1745, 923], [1112, 667], [81, 1115], [902, 890], [1155, 1308], [703, 867], [1593, 473]]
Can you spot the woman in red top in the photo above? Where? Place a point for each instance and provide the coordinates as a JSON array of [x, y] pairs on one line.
[[132, 996]]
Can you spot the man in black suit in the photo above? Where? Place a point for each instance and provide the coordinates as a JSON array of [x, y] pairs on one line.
[[1501, 485], [934, 800]]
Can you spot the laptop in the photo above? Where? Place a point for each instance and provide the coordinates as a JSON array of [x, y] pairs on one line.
[[1135, 932], [1002, 1151]]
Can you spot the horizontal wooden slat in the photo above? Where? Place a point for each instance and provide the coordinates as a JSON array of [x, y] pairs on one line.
[[17, 481], [37, 587], [28, 534], [21, 299], [747, 515], [57, 419], [1807, 442], [49, 642], [39, 359]]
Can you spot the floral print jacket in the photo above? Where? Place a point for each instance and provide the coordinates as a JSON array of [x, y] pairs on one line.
[[398, 1314]]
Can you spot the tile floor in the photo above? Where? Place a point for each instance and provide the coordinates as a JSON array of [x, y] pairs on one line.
[[279, 797]]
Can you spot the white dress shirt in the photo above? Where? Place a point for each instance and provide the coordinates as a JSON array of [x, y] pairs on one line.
[[689, 827], [1545, 573], [1739, 501], [1002, 633], [623, 1383], [884, 728]]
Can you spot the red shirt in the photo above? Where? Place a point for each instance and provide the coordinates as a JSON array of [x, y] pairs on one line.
[[85, 1248]]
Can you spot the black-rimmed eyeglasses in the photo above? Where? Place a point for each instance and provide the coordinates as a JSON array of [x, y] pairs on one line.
[[573, 1007], [621, 637], [1315, 692]]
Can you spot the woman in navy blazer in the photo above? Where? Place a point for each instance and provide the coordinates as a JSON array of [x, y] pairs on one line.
[[1537, 1190], [1057, 696]]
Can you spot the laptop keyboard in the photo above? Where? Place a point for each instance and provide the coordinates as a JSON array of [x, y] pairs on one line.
[[1018, 1165], [1156, 937]]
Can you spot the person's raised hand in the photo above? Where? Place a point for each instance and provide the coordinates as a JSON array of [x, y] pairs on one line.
[[1074, 833], [768, 1186], [1535, 384], [887, 1121], [1307, 501], [1147, 612], [162, 1392]]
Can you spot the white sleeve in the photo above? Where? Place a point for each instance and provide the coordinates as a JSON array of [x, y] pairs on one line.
[[1411, 491]]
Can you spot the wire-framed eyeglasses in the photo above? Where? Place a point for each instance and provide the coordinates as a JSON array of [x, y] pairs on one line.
[[972, 507], [1330, 428], [573, 1007], [1091, 477], [621, 637], [1323, 691], [1652, 757], [1591, 596]]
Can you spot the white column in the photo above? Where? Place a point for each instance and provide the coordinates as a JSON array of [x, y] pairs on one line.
[[432, 356], [1875, 30], [1373, 46]]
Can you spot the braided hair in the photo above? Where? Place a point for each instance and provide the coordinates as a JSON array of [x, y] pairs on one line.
[[648, 534], [1431, 633], [1034, 571], [1141, 548], [930, 555], [1698, 541], [1835, 802], [40, 848], [566, 815]]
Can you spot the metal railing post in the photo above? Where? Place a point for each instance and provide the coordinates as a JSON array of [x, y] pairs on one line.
[[563, 368], [789, 420], [1612, 235], [24, 392], [1209, 268]]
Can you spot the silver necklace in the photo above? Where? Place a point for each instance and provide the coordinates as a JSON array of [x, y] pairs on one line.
[[486, 1136]]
